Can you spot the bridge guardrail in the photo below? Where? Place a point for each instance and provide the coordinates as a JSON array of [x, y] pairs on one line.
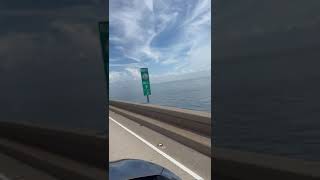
[[196, 121]]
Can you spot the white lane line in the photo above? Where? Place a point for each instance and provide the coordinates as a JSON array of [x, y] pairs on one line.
[[181, 166]]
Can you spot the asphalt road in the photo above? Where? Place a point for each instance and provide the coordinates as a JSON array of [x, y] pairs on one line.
[[129, 140]]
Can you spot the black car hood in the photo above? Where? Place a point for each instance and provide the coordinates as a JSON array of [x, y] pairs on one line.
[[134, 168]]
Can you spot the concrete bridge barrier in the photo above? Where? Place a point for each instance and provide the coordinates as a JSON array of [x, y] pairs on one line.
[[191, 128], [196, 121]]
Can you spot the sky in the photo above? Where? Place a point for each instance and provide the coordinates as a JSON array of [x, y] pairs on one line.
[[170, 37]]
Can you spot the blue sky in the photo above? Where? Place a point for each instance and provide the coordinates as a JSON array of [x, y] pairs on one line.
[[170, 37]]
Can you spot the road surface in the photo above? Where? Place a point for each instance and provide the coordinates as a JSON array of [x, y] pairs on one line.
[[128, 139]]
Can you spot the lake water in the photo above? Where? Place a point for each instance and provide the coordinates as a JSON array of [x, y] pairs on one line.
[[194, 94]]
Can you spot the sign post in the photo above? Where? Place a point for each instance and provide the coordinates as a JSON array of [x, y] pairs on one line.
[[145, 82]]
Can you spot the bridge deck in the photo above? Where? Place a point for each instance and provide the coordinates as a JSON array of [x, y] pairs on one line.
[[123, 144]]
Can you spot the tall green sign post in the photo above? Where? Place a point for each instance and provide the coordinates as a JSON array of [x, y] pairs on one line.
[[104, 40], [145, 82]]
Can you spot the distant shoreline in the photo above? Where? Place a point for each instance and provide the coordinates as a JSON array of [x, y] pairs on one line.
[[179, 80]]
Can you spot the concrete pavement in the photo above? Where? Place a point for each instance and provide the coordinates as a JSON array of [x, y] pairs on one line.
[[128, 139]]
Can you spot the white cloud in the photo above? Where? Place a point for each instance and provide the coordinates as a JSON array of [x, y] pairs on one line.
[[141, 23], [129, 74], [149, 3], [115, 76], [199, 59], [170, 61], [134, 72]]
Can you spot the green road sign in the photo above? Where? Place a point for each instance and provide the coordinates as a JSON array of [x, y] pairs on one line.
[[145, 81], [104, 40]]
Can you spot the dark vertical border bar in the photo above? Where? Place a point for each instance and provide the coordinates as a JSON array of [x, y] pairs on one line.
[[104, 41], [213, 76]]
